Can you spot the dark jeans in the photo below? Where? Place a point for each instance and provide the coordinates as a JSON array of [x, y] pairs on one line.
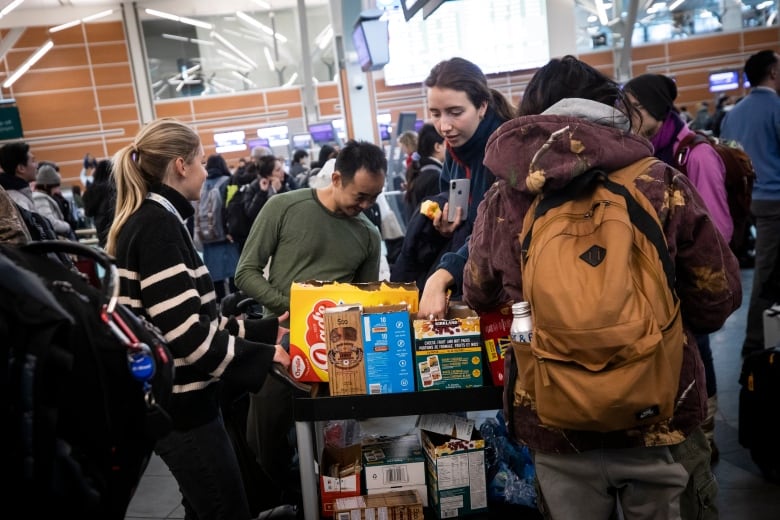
[[767, 215], [205, 466]]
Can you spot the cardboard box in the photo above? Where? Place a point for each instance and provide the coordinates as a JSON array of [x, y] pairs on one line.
[[308, 301], [495, 338], [456, 474], [396, 505], [387, 343], [447, 424], [343, 337], [395, 464], [448, 353], [339, 475]]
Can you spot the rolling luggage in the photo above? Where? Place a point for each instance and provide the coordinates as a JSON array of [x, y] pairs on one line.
[[759, 402]]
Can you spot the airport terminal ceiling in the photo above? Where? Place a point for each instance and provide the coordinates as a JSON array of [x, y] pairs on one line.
[[237, 45]]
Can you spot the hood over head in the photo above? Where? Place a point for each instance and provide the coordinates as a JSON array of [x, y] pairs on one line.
[[545, 152]]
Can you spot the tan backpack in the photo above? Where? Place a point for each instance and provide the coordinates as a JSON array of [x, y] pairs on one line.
[[607, 347]]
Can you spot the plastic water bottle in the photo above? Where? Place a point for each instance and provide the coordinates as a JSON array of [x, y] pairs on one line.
[[522, 325]]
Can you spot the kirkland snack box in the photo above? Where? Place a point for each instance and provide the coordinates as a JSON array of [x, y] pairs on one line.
[[308, 301], [456, 474], [448, 352]]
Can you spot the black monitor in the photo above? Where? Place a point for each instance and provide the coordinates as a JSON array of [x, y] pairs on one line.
[[372, 44], [10, 122], [322, 132], [406, 122]]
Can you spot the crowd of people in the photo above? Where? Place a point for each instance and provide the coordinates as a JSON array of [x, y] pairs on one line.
[[314, 222]]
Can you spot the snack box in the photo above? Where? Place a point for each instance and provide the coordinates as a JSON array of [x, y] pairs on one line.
[[308, 301], [495, 327], [344, 341], [448, 353], [456, 474], [395, 505], [345, 462], [387, 343], [395, 464]]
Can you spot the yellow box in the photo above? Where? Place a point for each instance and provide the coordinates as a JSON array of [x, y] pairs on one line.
[[308, 301]]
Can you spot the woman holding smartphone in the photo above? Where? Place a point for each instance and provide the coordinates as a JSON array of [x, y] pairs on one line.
[[465, 111], [163, 279]]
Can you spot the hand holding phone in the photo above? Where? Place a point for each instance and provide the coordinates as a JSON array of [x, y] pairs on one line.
[[459, 198]]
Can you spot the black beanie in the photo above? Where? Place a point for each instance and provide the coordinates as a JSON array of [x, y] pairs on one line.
[[655, 92]]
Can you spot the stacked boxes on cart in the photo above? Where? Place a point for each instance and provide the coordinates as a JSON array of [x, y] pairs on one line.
[[444, 468], [361, 339]]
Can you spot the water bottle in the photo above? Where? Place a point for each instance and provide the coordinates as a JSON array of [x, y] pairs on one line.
[[522, 326]]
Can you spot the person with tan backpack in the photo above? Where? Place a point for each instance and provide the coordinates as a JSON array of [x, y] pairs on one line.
[[617, 256]]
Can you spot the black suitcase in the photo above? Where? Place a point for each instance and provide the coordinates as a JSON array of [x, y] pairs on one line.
[[759, 404]]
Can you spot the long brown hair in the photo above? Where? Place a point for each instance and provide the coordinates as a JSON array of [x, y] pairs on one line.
[[462, 75]]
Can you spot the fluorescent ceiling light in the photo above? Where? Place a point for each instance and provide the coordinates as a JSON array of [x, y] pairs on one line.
[[268, 58], [261, 3], [32, 60], [601, 11], [182, 19], [97, 16], [234, 58], [66, 25], [243, 78], [10, 7], [291, 80], [175, 37], [86, 19], [178, 38], [324, 38], [221, 39], [256, 23], [676, 4]]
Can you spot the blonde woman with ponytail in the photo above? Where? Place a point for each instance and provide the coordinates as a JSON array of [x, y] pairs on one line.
[[163, 279]]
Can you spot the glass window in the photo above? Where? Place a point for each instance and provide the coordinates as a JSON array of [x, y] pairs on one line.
[[235, 51], [599, 22]]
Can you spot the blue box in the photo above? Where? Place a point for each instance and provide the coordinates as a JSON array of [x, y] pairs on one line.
[[387, 343]]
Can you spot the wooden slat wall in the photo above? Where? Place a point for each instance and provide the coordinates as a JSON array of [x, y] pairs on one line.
[[84, 86]]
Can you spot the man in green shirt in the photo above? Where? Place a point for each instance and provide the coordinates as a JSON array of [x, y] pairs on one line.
[[308, 234]]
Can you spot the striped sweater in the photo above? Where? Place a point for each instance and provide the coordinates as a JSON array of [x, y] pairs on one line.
[[163, 278]]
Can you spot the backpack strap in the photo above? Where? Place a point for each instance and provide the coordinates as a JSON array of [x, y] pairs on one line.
[[688, 142], [643, 220]]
